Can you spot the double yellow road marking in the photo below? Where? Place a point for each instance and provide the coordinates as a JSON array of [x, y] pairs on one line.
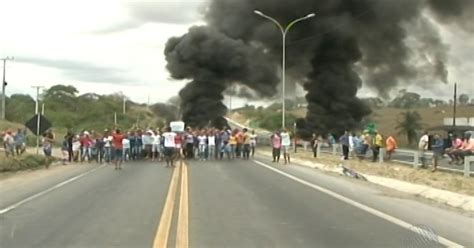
[[162, 234]]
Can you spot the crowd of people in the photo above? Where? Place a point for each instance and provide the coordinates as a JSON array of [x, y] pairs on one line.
[[115, 146], [14, 143], [456, 147], [357, 146]]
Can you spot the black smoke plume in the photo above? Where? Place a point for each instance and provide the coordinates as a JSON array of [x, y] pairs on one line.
[[213, 62], [382, 44]]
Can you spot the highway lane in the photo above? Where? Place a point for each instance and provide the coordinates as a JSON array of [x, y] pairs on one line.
[[106, 208], [229, 204]]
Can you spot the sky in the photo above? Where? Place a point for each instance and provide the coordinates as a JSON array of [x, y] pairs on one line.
[[111, 46]]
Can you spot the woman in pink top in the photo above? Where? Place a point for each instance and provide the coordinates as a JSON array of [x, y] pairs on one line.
[[456, 144], [276, 144]]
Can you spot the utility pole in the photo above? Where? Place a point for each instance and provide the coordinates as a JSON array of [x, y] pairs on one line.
[[4, 84], [454, 105], [38, 123], [124, 103]]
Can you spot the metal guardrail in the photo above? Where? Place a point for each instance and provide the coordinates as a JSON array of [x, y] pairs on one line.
[[413, 158]]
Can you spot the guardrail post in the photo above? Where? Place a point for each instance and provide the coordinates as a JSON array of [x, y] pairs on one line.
[[381, 154], [318, 150], [467, 166], [416, 160], [334, 149]]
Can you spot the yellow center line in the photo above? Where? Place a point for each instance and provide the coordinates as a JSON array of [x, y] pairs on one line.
[[162, 234], [182, 238]]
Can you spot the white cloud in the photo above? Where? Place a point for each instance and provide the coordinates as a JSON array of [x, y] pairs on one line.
[[54, 42]]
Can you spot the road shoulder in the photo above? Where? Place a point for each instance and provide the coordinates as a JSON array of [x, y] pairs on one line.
[[449, 198]]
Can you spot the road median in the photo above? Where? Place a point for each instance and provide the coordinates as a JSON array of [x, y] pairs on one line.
[[446, 188]]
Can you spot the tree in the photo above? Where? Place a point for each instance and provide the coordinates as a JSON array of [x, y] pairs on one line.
[[463, 99], [406, 100], [409, 123]]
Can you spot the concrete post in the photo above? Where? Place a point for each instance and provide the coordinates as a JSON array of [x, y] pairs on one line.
[[416, 160], [467, 166], [381, 154]]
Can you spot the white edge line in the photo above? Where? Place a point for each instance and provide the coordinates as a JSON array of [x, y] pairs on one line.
[[11, 207], [361, 206]]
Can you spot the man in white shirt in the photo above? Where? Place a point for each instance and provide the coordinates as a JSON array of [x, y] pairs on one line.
[[423, 147], [211, 143], [126, 149], [253, 142], [285, 145], [156, 145], [202, 139], [107, 146], [169, 146]]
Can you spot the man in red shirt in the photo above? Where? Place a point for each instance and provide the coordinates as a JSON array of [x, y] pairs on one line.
[[117, 139]]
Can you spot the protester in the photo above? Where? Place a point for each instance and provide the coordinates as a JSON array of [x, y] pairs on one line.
[[76, 148], [169, 146], [437, 148], [253, 142], [391, 146], [211, 144], [276, 145], [9, 143], [107, 146], [86, 144], [240, 143], [246, 144], [365, 141], [189, 150], [466, 150], [456, 144], [331, 140], [423, 148], [20, 142], [376, 145], [354, 141], [65, 149], [314, 145], [202, 139], [225, 145], [344, 140], [48, 141], [147, 139], [285, 145], [127, 155], [70, 140], [233, 143], [99, 146], [117, 141], [156, 146]]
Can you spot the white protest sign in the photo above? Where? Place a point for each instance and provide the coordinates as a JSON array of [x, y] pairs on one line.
[[177, 126]]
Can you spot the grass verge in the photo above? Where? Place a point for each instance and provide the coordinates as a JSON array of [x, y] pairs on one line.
[[24, 162]]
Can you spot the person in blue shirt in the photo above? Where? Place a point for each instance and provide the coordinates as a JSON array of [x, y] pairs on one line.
[[344, 140], [133, 144], [438, 148], [20, 141]]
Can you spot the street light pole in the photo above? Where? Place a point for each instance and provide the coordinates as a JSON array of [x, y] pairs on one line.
[[38, 122], [4, 84], [284, 31]]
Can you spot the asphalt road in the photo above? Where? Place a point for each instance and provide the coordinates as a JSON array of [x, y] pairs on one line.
[[217, 204]]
